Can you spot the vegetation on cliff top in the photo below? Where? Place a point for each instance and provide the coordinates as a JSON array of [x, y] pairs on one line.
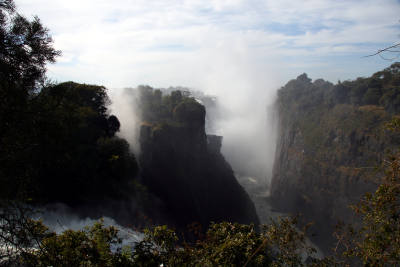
[[156, 109], [319, 107]]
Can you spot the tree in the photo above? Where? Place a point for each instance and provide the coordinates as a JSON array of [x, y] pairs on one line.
[[87, 247], [372, 96], [30, 111], [113, 125], [25, 49], [376, 243], [224, 244], [54, 138]]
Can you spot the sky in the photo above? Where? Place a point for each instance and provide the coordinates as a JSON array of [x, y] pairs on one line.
[[204, 44]]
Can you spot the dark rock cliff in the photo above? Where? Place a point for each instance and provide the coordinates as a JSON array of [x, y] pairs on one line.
[[339, 166], [190, 178], [326, 152]]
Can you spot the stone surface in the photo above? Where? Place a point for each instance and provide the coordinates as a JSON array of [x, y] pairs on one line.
[[320, 179], [190, 182]]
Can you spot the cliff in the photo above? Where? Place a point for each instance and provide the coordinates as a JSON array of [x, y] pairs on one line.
[[187, 173], [328, 145]]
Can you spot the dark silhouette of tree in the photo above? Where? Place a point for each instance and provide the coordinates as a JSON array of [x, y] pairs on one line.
[[25, 99], [113, 125], [25, 96]]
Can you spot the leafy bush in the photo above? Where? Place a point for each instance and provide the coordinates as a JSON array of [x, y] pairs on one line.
[[372, 96], [376, 243], [89, 247], [224, 244]]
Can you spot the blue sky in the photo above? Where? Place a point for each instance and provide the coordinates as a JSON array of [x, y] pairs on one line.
[[220, 43]]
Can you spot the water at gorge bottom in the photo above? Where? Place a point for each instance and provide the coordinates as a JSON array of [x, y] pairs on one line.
[[61, 220], [259, 195]]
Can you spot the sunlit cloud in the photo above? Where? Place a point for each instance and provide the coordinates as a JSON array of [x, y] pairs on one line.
[[163, 43]]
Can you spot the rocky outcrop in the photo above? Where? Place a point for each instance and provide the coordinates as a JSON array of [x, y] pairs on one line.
[[190, 182], [332, 179], [326, 163]]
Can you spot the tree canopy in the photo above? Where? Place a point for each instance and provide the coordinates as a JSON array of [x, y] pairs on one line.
[[55, 138]]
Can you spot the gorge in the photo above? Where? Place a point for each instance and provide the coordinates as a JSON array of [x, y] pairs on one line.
[[326, 136], [207, 175]]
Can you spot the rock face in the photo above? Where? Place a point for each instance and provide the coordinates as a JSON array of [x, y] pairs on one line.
[[320, 181], [191, 179], [325, 155], [331, 179]]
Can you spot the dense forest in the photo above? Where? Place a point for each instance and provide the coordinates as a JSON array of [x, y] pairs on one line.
[[68, 139], [360, 100], [58, 143]]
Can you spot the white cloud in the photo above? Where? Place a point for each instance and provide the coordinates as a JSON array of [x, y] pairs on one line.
[[159, 42]]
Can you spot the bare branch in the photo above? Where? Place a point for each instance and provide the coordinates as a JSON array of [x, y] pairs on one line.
[[388, 49]]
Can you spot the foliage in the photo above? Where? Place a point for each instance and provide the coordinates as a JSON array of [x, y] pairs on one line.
[[319, 108], [18, 232], [224, 244], [67, 133], [372, 96], [376, 243], [50, 130], [88, 247], [382, 88], [31, 110], [156, 108], [54, 138], [86, 154], [25, 48], [26, 97]]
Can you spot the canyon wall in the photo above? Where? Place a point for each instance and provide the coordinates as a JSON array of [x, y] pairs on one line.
[[186, 173], [327, 148]]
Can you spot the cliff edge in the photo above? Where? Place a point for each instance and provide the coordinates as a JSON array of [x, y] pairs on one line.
[[330, 138], [187, 173]]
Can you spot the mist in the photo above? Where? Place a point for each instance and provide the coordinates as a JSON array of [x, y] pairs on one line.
[[245, 87], [124, 107]]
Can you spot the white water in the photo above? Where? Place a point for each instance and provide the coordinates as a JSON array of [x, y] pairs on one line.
[[58, 222]]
